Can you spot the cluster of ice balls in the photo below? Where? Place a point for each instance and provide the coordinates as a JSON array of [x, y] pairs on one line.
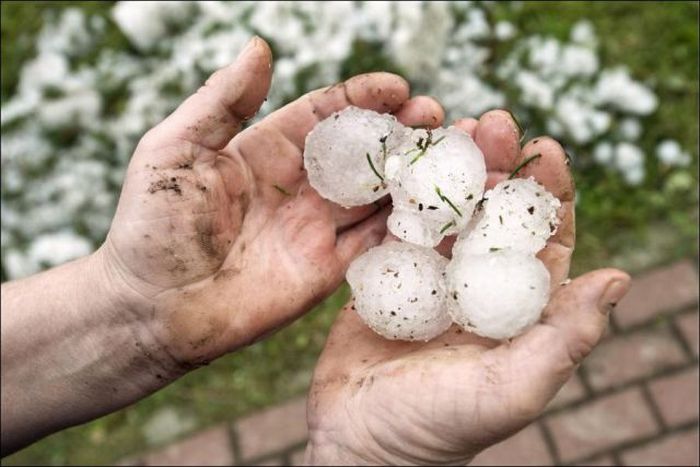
[[494, 285], [435, 180]]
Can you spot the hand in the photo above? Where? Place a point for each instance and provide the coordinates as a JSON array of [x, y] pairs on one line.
[[218, 239], [375, 401]]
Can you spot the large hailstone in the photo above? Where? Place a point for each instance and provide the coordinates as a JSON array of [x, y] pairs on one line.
[[519, 214], [344, 155], [497, 294], [399, 291], [435, 178]]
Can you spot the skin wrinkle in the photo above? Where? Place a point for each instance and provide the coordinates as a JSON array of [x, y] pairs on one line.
[[121, 272], [443, 441], [237, 177], [393, 444], [268, 169], [348, 222], [378, 435], [283, 137], [319, 113], [356, 430]]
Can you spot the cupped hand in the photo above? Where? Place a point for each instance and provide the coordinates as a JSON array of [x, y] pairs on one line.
[[218, 239], [375, 401]]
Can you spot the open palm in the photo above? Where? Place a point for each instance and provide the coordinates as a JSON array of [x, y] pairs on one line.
[[218, 237], [387, 402]]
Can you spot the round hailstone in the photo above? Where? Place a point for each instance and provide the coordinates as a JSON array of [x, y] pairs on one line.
[[344, 155], [399, 291], [518, 214], [496, 294], [435, 178]]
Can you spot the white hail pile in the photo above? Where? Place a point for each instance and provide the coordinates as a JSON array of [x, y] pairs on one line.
[[497, 287], [517, 214], [494, 285], [62, 190]]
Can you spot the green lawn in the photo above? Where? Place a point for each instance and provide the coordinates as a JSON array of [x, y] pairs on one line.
[[616, 225]]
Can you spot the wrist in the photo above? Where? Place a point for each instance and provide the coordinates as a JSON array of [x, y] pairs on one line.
[[74, 347], [130, 308]]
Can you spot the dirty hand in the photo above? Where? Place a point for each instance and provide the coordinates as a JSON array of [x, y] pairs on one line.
[[375, 401], [218, 239]]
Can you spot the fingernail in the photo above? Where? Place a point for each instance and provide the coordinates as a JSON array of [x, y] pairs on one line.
[[517, 123], [250, 45], [613, 293]]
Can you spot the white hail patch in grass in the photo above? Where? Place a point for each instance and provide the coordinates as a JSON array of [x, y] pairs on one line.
[[76, 103]]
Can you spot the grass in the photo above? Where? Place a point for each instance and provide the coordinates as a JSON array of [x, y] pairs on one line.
[[615, 222], [616, 225]]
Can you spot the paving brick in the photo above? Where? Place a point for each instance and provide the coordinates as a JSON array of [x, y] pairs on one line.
[[572, 391], [527, 447], [662, 290], [601, 424], [210, 447], [129, 462], [297, 457], [624, 358], [273, 429], [677, 397], [675, 449], [690, 328], [601, 460]]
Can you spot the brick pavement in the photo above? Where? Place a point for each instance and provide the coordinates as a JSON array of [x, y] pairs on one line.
[[634, 401]]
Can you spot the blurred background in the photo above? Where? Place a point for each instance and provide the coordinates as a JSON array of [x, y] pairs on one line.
[[615, 82]]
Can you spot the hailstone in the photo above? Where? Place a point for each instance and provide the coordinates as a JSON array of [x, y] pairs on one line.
[[344, 155], [399, 291], [519, 214], [494, 285], [497, 294], [436, 179]]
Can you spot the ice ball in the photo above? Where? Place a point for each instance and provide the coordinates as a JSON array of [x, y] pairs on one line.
[[518, 214], [497, 294], [435, 179], [399, 291], [344, 155]]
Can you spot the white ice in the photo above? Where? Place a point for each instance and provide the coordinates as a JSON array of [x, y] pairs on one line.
[[435, 178], [497, 294], [519, 214], [344, 155], [399, 291]]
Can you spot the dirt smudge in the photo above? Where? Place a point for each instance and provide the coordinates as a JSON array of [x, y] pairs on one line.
[[166, 184]]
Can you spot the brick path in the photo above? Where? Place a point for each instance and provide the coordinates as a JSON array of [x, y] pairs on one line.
[[642, 412]]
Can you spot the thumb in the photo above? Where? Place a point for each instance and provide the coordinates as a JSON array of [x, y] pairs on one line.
[[233, 94], [574, 322]]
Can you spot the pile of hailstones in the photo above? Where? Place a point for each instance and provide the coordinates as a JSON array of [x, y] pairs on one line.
[[494, 285]]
